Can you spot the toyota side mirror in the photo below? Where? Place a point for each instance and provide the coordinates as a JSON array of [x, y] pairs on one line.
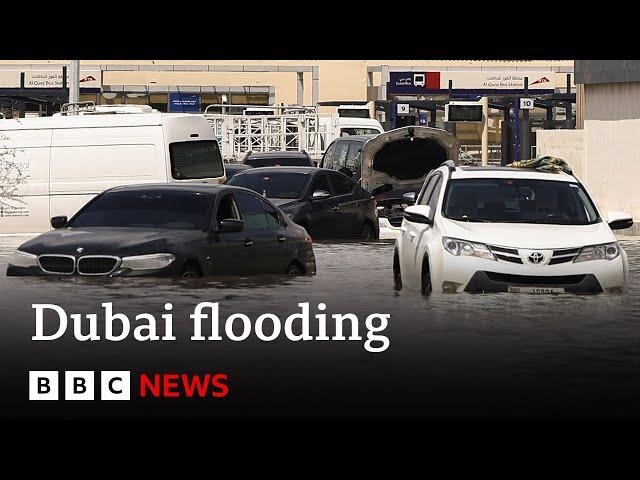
[[231, 225], [320, 195], [59, 221], [619, 220], [418, 214], [409, 198]]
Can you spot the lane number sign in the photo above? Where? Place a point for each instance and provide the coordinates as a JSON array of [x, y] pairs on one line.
[[403, 109], [526, 104]]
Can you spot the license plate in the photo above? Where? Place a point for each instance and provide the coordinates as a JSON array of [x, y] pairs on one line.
[[538, 290]]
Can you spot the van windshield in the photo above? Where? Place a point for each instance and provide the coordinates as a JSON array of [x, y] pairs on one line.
[[146, 209], [348, 131], [195, 159], [518, 200]]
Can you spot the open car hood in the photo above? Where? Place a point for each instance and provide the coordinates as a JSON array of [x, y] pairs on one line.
[[404, 157]]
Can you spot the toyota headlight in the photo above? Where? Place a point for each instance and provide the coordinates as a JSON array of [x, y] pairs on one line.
[[463, 248], [23, 259], [148, 262], [605, 251]]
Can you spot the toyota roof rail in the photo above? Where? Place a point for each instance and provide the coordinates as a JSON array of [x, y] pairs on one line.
[[450, 164]]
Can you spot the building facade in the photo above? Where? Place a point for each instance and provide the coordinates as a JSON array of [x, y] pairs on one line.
[[30, 87]]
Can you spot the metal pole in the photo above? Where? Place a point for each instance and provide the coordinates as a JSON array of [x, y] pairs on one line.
[[506, 137], [484, 101], [74, 83], [525, 142], [450, 126], [568, 116]]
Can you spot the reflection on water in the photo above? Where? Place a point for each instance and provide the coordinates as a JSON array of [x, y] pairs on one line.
[[497, 355]]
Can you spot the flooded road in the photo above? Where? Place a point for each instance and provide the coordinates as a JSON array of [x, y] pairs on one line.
[[450, 356]]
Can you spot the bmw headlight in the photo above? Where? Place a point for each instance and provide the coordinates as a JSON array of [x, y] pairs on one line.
[[605, 251], [154, 261], [463, 248], [23, 259]]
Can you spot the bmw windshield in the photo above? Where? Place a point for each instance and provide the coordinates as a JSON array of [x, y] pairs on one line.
[[518, 200], [146, 209]]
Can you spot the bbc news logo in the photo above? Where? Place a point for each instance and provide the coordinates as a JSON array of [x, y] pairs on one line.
[[116, 385], [79, 385]]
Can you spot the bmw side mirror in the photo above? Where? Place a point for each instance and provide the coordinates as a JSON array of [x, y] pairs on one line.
[[231, 225], [320, 195], [619, 220], [59, 222], [409, 198], [418, 214]]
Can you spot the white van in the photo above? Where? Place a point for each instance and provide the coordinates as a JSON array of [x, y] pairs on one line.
[[66, 160]]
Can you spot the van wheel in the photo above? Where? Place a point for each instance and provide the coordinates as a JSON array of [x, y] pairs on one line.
[[426, 288], [397, 275], [190, 271], [367, 233], [294, 269]]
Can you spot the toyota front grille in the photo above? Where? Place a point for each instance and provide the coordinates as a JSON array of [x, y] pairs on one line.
[[507, 254]]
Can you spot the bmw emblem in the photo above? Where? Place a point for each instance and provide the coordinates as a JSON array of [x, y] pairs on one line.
[[80, 249], [536, 257]]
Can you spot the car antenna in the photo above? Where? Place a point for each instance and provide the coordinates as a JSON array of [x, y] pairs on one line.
[[450, 164]]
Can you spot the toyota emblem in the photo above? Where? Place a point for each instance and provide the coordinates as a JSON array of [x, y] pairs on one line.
[[80, 249], [536, 257]]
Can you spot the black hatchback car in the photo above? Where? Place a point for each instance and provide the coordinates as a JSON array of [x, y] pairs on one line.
[[326, 203], [182, 229]]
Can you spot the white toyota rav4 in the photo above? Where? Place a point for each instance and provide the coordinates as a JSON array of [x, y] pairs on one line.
[[499, 229]]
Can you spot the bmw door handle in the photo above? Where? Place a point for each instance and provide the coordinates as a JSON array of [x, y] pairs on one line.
[[335, 209], [248, 242], [281, 238]]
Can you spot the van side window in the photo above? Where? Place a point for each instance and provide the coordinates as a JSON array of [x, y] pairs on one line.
[[342, 149], [195, 159], [329, 156], [353, 157]]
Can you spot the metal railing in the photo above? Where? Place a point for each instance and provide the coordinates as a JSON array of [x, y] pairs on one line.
[[239, 134]]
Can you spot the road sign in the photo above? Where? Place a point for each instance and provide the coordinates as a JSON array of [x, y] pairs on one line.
[[526, 103], [402, 109]]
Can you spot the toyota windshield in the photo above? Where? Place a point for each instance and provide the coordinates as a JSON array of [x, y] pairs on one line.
[[518, 200]]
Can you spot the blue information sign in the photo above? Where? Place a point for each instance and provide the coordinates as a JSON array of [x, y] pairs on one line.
[[184, 102]]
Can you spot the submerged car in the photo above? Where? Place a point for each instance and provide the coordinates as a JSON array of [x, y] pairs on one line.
[[326, 203], [397, 162], [186, 230], [486, 229]]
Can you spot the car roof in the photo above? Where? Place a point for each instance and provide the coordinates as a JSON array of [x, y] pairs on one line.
[[174, 186], [282, 154], [360, 138], [239, 166], [509, 172], [262, 170]]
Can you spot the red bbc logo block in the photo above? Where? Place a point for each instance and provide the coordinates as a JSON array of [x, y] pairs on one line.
[[79, 385]]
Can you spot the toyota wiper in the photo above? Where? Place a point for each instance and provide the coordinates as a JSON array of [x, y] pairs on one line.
[[469, 219]]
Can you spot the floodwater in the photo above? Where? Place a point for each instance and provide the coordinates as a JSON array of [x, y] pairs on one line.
[[450, 356]]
